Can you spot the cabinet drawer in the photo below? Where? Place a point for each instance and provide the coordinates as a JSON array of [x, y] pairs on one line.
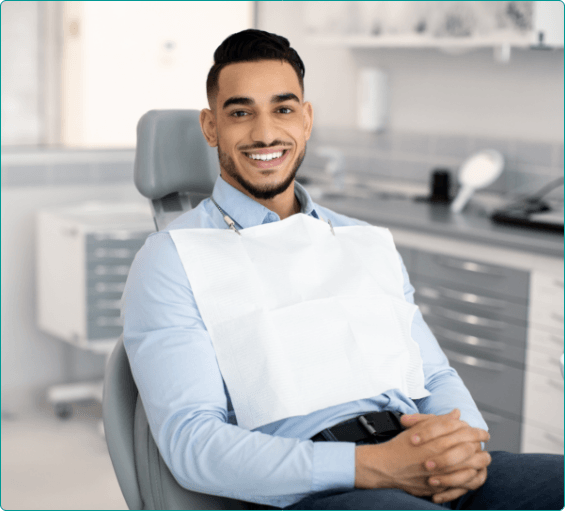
[[505, 433], [547, 284], [116, 240], [482, 347], [106, 289], [103, 332], [493, 384], [546, 295], [546, 316], [543, 403], [475, 275], [536, 439], [471, 324], [457, 298], [545, 361], [544, 341]]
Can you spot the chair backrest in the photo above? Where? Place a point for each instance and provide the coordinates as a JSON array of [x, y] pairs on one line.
[[118, 405], [175, 169], [174, 166], [144, 479]]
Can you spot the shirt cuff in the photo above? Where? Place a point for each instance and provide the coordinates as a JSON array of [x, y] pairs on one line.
[[334, 465]]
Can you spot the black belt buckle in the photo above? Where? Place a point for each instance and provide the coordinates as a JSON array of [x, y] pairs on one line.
[[382, 426]]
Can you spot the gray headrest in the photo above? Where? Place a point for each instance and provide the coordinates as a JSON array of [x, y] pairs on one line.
[[172, 155]]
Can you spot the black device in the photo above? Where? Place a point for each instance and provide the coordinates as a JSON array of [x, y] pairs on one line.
[[440, 188], [528, 211]]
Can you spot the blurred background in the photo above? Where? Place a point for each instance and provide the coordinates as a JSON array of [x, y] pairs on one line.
[[404, 94]]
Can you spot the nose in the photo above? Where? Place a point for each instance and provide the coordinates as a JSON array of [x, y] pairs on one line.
[[264, 129]]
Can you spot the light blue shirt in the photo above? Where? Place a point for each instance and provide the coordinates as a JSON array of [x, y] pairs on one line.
[[187, 403]]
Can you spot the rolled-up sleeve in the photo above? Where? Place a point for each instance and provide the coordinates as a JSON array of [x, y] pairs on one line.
[[175, 369]]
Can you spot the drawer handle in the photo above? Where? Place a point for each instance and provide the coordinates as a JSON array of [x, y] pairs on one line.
[[470, 266], [117, 253], [121, 235], [473, 298], [110, 287], [108, 321], [469, 340], [462, 297], [468, 319], [108, 304], [474, 361], [111, 270], [553, 439]]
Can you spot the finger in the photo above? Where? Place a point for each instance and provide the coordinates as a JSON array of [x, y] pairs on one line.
[[455, 479], [478, 480], [467, 435], [450, 458], [440, 426], [415, 418], [449, 495], [480, 460], [453, 493]]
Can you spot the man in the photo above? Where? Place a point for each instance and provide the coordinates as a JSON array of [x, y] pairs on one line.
[[260, 123]]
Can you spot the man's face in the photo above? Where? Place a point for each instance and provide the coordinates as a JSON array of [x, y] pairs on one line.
[[260, 126]]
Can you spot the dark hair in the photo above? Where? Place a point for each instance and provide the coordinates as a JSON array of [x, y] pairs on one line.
[[250, 46]]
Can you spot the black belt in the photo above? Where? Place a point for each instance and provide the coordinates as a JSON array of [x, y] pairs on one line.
[[376, 427]]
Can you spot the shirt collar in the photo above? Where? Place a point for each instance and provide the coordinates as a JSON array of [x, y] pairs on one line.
[[247, 212]]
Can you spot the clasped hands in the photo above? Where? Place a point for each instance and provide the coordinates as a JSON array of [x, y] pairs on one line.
[[436, 456]]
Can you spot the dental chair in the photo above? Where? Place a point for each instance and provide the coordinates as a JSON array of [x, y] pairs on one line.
[[175, 169]]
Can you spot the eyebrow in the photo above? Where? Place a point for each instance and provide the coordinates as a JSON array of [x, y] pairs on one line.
[[243, 100]]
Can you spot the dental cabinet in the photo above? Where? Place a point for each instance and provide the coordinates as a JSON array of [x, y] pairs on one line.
[[498, 316], [84, 253], [84, 256]]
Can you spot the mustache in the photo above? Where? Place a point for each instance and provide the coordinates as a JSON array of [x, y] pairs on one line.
[[262, 145]]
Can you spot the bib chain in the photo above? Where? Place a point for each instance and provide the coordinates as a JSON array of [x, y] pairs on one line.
[[231, 223]]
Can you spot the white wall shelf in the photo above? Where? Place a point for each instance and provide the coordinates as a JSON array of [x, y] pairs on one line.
[[420, 41], [546, 31]]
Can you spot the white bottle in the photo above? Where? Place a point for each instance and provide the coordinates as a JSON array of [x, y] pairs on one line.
[[372, 99]]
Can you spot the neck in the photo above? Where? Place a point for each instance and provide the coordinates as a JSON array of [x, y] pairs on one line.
[[285, 204]]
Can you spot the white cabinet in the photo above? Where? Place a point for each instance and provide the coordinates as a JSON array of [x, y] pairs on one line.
[[543, 381], [84, 254]]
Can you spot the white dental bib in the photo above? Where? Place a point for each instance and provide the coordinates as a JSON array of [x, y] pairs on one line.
[[302, 319]]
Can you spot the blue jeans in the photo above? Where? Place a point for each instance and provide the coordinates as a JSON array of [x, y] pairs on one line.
[[514, 481]]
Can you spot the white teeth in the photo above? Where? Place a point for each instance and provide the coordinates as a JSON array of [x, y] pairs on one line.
[[266, 157]]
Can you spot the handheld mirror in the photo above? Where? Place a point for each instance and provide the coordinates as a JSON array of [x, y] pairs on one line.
[[478, 171]]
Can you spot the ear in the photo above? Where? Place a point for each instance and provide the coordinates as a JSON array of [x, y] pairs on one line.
[[208, 126], [308, 117]]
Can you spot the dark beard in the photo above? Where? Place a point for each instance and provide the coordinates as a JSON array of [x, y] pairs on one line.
[[265, 192]]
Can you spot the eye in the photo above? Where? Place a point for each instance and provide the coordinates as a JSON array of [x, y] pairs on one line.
[[285, 110], [238, 113]]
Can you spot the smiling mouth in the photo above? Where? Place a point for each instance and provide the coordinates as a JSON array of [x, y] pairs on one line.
[[266, 157]]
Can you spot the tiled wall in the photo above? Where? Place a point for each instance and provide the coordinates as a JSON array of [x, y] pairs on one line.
[[399, 156], [412, 157]]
